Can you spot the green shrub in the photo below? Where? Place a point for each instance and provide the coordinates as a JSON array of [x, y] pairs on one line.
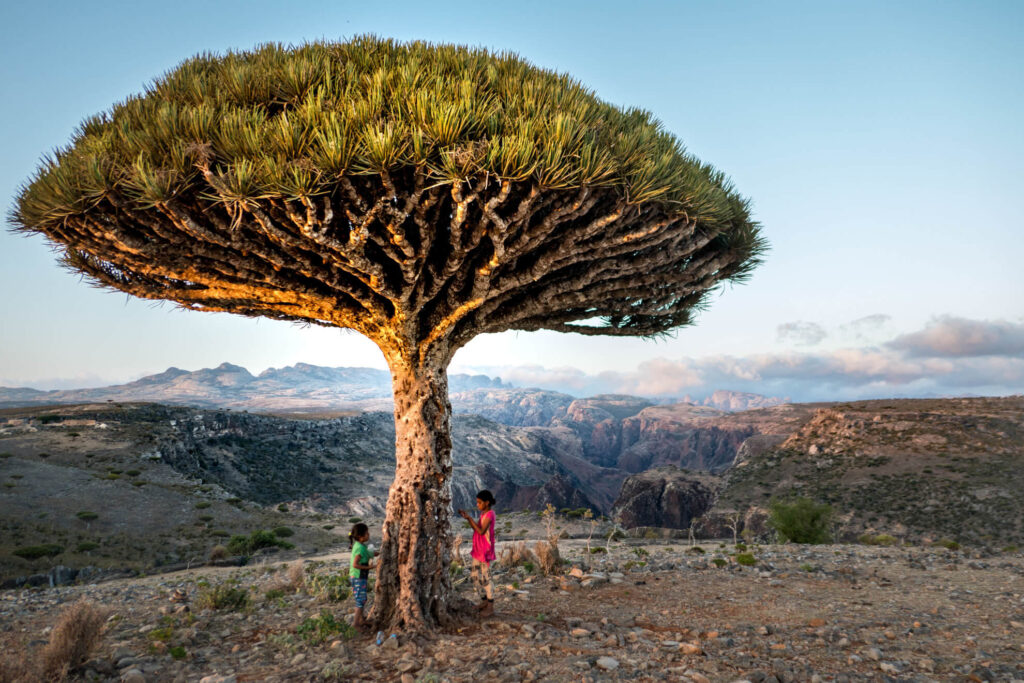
[[330, 587], [696, 550], [139, 483], [328, 527], [86, 515], [1010, 549], [202, 505], [355, 520], [283, 532], [133, 473], [315, 630], [44, 455], [641, 552], [282, 508], [219, 533], [948, 544], [233, 500], [807, 567], [6, 455], [205, 518], [223, 596], [746, 559], [177, 652], [719, 562], [529, 567], [800, 520], [598, 549], [246, 545], [34, 552], [742, 547], [86, 546], [49, 419], [274, 594]]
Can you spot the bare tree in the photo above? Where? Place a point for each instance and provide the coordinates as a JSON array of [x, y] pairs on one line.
[[732, 522], [418, 194]]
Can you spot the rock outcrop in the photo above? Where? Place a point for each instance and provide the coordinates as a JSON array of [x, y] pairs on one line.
[[665, 497]]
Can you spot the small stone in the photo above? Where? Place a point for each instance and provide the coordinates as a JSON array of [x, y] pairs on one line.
[[873, 653], [298, 659], [926, 665], [689, 649], [218, 678], [579, 632], [125, 662], [815, 623], [888, 667], [607, 663], [698, 677], [407, 666], [133, 676], [408, 678]]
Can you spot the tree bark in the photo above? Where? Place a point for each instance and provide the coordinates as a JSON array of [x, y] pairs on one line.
[[414, 587]]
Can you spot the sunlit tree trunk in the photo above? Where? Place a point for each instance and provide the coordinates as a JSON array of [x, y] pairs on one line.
[[414, 590]]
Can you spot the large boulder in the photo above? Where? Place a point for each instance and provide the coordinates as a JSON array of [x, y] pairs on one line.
[[666, 497]]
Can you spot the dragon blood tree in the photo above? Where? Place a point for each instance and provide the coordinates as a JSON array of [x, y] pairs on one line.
[[419, 194]]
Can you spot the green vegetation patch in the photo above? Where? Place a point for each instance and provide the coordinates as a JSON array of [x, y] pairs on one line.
[[800, 520], [35, 552], [315, 630]]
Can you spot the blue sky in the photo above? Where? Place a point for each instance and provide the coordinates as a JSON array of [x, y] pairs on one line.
[[880, 142]]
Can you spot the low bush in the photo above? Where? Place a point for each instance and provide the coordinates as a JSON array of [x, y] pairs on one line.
[[35, 552], [246, 545], [355, 520], [719, 562], [948, 544], [328, 587], [202, 505], [283, 531], [86, 546], [746, 559], [86, 515], [222, 596], [800, 520], [218, 552], [315, 630]]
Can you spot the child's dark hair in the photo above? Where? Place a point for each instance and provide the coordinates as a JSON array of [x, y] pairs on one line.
[[486, 496], [358, 530]]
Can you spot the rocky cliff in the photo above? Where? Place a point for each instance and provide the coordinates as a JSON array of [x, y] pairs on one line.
[[665, 497]]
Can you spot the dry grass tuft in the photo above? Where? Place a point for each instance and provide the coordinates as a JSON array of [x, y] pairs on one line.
[[296, 576], [548, 558], [218, 552], [292, 581], [18, 667], [77, 633], [516, 555]]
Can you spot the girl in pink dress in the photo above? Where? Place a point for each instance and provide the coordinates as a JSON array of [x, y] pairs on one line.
[[483, 550]]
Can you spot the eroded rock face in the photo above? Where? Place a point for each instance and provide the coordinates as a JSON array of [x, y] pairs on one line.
[[666, 497]]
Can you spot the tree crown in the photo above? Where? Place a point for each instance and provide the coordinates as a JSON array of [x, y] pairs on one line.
[[236, 134]]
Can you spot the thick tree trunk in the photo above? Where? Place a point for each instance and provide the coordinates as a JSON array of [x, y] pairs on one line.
[[414, 588]]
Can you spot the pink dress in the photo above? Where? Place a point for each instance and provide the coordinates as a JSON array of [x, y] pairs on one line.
[[483, 544]]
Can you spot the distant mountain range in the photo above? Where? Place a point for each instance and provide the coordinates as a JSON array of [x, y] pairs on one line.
[[309, 388]]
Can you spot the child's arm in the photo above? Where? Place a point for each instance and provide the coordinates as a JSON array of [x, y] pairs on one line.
[[476, 527]]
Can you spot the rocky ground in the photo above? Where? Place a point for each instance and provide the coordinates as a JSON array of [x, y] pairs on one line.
[[638, 610]]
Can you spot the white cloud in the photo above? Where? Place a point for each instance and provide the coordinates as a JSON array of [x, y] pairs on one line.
[[801, 333], [949, 357], [960, 337]]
